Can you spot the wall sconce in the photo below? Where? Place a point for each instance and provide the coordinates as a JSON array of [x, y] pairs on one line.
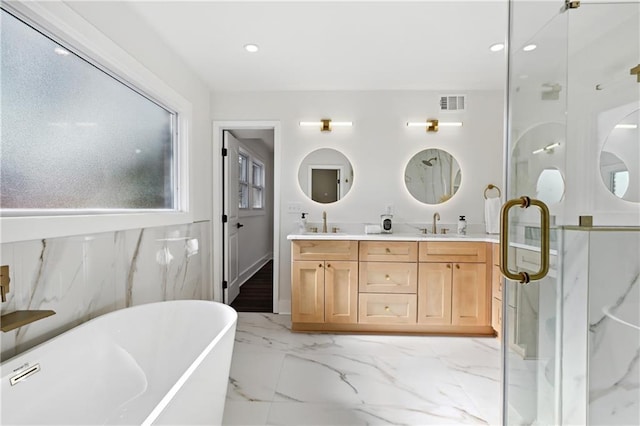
[[549, 148], [432, 124], [326, 124]]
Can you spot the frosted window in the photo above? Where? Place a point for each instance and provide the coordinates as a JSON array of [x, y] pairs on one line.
[[74, 137]]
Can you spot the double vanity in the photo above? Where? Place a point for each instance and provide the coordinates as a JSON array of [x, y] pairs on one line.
[[442, 284]]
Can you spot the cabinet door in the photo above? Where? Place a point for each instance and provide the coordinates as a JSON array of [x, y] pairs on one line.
[[341, 292], [496, 316], [469, 294], [307, 291], [434, 293]]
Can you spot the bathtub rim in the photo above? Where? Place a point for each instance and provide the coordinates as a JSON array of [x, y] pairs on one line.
[[230, 316], [166, 399]]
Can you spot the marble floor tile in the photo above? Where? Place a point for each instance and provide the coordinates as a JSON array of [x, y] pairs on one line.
[[283, 378], [253, 376], [245, 413]]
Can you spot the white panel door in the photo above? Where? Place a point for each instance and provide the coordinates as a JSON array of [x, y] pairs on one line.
[[232, 225]]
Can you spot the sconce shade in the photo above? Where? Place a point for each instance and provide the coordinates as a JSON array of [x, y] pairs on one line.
[[326, 125], [432, 124]]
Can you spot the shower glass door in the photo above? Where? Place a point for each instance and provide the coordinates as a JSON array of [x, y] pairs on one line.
[[536, 161], [572, 143]]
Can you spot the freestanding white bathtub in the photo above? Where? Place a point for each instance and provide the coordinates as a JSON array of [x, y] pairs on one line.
[[161, 363]]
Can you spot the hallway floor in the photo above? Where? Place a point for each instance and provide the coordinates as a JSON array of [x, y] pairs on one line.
[[283, 378]]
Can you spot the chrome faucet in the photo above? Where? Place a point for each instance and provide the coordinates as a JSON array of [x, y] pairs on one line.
[[436, 216], [324, 222]]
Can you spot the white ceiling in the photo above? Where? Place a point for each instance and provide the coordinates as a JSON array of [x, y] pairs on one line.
[[321, 45]]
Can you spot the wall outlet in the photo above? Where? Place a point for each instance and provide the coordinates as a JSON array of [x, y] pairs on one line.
[[293, 208]]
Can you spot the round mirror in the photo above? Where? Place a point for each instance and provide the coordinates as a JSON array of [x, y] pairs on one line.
[[620, 158], [325, 175], [432, 176], [537, 158]]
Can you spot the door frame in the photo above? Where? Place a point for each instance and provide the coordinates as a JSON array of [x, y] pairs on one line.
[[313, 167], [217, 204]]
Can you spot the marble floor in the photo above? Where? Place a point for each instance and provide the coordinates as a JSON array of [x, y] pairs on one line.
[[283, 378]]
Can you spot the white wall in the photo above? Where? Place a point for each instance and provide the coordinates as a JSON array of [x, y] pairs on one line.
[[378, 145], [255, 238]]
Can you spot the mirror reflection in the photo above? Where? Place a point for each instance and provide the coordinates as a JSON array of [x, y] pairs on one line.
[[620, 159], [432, 176], [538, 158], [325, 175], [550, 186]]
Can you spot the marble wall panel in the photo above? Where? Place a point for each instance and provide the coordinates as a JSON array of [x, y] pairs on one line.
[[614, 328], [82, 277]]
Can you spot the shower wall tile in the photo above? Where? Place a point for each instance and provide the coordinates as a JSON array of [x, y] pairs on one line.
[[575, 261], [82, 277], [614, 328]]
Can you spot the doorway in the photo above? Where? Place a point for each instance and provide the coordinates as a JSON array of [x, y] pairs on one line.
[[247, 193]]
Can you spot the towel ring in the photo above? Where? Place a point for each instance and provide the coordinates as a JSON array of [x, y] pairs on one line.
[[492, 186]]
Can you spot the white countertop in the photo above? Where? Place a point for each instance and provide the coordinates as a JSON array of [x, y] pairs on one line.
[[395, 237]]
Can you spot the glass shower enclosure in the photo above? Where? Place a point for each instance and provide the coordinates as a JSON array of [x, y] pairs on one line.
[[571, 339]]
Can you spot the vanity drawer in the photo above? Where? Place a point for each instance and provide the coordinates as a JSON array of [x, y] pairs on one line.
[[388, 251], [324, 250], [452, 251], [375, 308], [386, 277]]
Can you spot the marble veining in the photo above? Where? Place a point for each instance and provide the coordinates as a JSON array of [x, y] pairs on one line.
[[81, 277], [283, 378], [614, 347]]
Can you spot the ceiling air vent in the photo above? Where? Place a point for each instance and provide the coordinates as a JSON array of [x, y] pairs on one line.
[[452, 103]]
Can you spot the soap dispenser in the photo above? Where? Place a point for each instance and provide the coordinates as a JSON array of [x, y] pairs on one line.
[[386, 224], [303, 223], [462, 226]]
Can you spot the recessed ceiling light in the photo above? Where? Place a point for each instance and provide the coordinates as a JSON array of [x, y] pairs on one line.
[[251, 48], [60, 51], [529, 47], [496, 47]]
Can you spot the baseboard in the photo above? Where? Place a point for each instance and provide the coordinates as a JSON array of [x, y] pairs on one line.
[[284, 307], [251, 270]]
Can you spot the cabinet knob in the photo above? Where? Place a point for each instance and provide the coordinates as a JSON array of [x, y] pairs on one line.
[[457, 266], [387, 277], [388, 250], [328, 265], [386, 308], [320, 265], [448, 266]]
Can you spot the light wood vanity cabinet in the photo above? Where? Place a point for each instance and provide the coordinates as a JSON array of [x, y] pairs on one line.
[[455, 292], [324, 290], [391, 286], [496, 291], [388, 282]]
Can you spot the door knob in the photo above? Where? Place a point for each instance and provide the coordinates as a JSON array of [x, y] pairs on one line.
[[239, 225]]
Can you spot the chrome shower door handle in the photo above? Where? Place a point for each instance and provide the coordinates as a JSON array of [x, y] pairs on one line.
[[524, 277]]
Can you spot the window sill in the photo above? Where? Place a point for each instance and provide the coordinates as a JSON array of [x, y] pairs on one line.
[[14, 229]]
